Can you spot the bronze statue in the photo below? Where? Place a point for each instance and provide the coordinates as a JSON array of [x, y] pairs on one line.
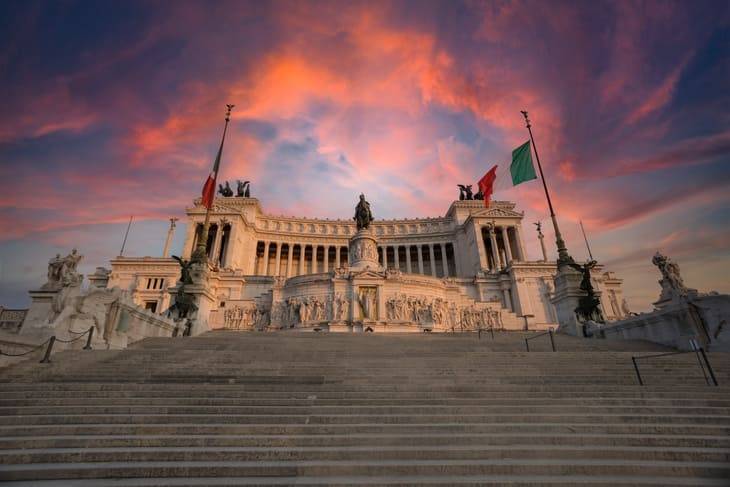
[[363, 215], [465, 192], [588, 305], [479, 195], [226, 192], [184, 303], [243, 190]]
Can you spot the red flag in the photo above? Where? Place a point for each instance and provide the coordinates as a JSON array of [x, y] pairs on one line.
[[486, 184], [209, 191]]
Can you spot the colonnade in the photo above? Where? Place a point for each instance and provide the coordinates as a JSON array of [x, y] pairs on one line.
[[435, 259], [285, 259], [501, 245], [217, 245]]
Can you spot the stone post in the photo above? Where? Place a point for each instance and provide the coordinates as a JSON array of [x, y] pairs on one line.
[[444, 260]]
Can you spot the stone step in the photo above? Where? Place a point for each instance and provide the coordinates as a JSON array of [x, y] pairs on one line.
[[407, 439], [391, 481], [361, 453], [500, 427], [333, 419], [598, 467], [355, 411]]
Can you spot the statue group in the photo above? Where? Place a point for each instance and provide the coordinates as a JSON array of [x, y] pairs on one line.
[[246, 318], [437, 311], [466, 193], [62, 271], [242, 191], [671, 282]]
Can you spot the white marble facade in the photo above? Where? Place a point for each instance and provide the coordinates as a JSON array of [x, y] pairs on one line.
[[465, 270]]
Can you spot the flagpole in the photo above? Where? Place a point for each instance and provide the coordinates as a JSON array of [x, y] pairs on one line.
[[126, 234], [200, 254], [563, 256], [590, 254]]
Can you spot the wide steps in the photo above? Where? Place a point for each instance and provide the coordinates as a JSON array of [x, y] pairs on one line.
[[326, 409]]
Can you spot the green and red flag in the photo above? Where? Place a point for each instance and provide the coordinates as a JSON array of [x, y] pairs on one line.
[[503, 176]]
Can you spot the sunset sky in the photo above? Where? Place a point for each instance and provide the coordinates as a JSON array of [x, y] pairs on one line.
[[112, 109]]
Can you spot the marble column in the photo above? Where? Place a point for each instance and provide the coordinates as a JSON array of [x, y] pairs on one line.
[[520, 245], [432, 256], [326, 258], [444, 260], [302, 248], [420, 258], [396, 257], [385, 256], [266, 258], [483, 259], [507, 249], [496, 265], [315, 268], [277, 268], [337, 257], [289, 259], [408, 259]]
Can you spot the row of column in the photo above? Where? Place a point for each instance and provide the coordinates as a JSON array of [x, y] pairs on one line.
[[267, 266], [436, 270], [500, 256], [217, 245]]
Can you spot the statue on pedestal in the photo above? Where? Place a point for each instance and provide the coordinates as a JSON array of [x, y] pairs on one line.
[[62, 271], [671, 281], [363, 215], [184, 303], [588, 305]]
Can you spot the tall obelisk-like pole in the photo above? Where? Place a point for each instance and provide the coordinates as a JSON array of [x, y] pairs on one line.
[[168, 240], [200, 254], [563, 256]]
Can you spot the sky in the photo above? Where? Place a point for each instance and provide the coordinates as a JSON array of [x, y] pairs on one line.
[[110, 109]]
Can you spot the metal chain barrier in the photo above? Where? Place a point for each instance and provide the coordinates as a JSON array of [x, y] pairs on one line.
[[37, 347], [47, 356]]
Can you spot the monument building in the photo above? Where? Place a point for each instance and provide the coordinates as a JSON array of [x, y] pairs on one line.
[[463, 271]]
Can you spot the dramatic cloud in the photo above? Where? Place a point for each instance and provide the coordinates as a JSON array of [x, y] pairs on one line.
[[115, 109]]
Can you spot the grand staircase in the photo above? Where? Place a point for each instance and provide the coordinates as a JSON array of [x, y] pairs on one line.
[[236, 408]]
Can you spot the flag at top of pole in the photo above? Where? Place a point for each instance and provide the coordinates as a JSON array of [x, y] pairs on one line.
[[503, 176], [209, 186]]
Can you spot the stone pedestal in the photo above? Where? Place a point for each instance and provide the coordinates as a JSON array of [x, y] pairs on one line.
[[363, 251], [566, 299], [202, 295]]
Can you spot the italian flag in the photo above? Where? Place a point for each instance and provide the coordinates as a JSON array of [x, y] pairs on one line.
[[503, 176], [209, 186]]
